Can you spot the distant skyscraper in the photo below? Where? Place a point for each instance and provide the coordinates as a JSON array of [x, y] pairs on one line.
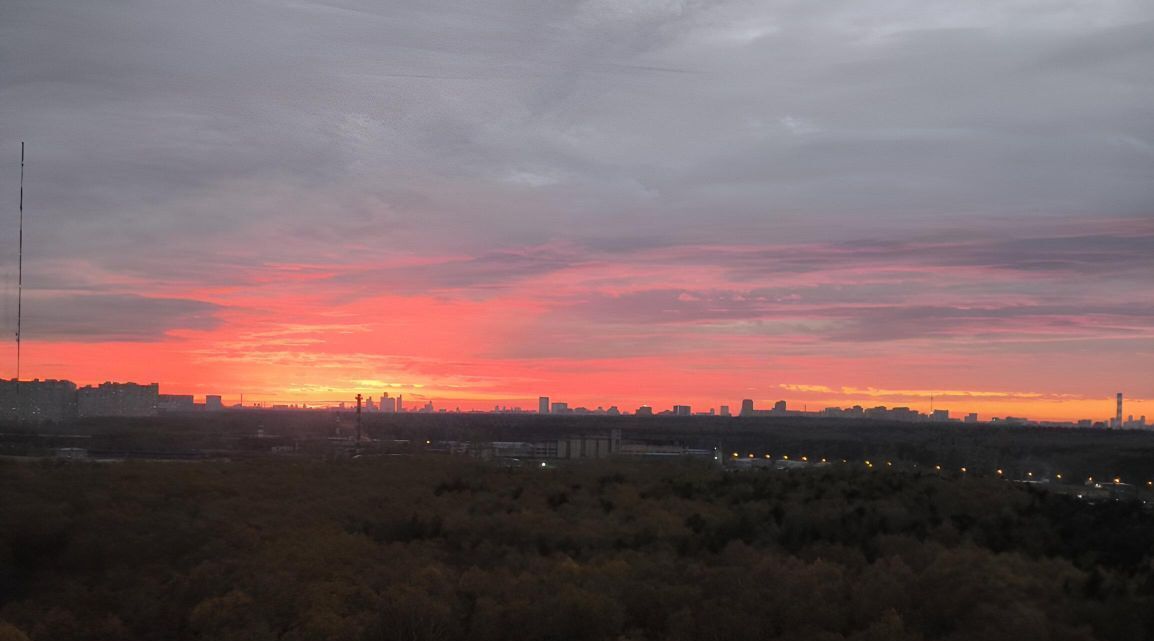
[[388, 404], [213, 403], [543, 405], [682, 410], [747, 407], [400, 403], [724, 410], [1118, 416]]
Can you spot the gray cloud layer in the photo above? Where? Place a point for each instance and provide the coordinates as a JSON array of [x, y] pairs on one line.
[[189, 142], [94, 318]]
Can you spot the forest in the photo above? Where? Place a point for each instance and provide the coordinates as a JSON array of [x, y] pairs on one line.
[[445, 548]]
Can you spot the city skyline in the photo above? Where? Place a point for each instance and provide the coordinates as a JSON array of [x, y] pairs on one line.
[[390, 401], [641, 202]]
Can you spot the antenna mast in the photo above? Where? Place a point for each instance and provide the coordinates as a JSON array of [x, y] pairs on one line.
[[20, 268]]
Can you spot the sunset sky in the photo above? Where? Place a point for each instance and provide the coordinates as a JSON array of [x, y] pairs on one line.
[[609, 202]]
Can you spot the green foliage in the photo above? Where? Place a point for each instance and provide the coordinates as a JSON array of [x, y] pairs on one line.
[[445, 549]]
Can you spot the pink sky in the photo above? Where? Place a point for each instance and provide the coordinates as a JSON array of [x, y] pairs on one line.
[[1000, 326], [607, 202]]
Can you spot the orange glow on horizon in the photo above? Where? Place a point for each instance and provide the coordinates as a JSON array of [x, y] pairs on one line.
[[654, 329]]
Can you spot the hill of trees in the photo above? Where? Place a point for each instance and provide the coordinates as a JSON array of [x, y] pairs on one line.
[[446, 548]]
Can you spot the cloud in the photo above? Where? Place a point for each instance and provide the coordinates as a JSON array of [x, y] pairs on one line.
[[626, 178], [95, 318]]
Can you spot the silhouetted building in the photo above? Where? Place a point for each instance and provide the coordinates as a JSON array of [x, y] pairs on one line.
[[644, 410], [682, 410], [118, 399], [724, 410], [175, 403], [213, 403], [388, 403], [747, 407], [560, 408], [972, 417], [543, 405], [37, 401]]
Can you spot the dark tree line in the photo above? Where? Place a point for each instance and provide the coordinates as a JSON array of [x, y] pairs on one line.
[[440, 548]]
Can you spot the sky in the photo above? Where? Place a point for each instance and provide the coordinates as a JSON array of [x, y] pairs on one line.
[[609, 202]]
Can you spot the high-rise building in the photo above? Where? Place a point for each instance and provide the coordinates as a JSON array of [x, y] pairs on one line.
[[560, 408], [779, 407], [747, 407], [175, 403], [37, 401], [724, 410], [118, 399], [543, 405], [972, 417], [400, 403], [213, 403], [1118, 415], [682, 410]]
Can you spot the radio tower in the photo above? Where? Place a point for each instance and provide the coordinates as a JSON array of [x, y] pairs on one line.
[[358, 446], [20, 271]]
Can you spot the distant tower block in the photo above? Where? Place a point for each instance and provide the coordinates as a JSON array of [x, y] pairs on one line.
[[1118, 415], [543, 405]]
